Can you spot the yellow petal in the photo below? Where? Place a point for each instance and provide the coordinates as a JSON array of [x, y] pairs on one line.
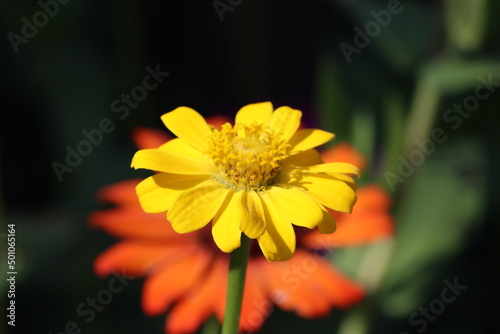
[[278, 241], [157, 193], [305, 158], [334, 191], [170, 162], [309, 138], [286, 121], [328, 168], [294, 206], [255, 113], [225, 229], [328, 224], [194, 208], [188, 125], [178, 146], [251, 213]]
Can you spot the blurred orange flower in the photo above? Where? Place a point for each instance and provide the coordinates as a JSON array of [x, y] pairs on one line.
[[187, 273]]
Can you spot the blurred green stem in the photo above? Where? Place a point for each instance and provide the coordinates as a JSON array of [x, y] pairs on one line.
[[394, 122], [363, 133], [235, 286], [422, 112]]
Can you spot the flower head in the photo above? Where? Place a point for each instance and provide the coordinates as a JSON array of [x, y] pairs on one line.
[[259, 177], [307, 284]]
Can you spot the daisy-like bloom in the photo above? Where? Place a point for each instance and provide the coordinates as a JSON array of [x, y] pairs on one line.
[[186, 274], [260, 177]]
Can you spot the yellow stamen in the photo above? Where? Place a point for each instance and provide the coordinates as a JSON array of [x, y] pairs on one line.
[[246, 157]]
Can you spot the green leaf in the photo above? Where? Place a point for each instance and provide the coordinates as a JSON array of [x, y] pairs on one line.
[[440, 209], [438, 78]]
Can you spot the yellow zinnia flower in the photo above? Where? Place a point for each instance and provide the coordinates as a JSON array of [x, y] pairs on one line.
[[259, 177]]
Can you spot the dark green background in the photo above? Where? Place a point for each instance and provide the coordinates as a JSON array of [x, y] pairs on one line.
[[396, 90]]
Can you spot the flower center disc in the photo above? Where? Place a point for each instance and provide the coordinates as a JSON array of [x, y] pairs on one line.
[[246, 157]]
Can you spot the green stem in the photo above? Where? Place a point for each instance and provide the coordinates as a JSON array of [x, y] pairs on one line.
[[235, 285]]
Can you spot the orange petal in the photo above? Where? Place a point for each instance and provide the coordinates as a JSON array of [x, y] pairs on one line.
[[256, 305], [372, 198], [134, 223], [133, 257], [174, 279], [218, 120], [339, 290], [355, 231], [369, 221], [291, 288], [149, 137], [344, 152], [122, 192], [308, 285], [209, 294]]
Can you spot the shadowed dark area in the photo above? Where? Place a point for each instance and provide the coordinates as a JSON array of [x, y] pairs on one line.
[[413, 85]]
